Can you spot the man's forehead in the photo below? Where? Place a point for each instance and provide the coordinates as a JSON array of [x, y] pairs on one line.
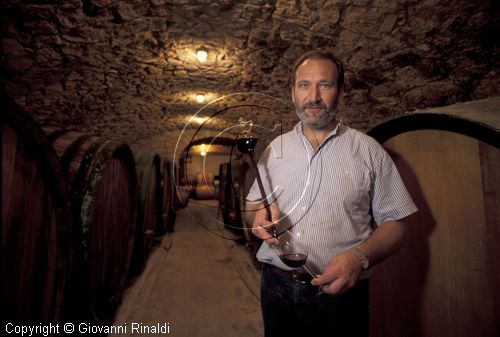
[[327, 66]]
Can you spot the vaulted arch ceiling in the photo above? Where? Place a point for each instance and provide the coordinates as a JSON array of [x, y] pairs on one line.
[[127, 70]]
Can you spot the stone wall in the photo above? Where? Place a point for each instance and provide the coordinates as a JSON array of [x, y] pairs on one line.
[[126, 70]]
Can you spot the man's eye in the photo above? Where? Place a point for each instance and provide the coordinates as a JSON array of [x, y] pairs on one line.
[[325, 85], [303, 85]]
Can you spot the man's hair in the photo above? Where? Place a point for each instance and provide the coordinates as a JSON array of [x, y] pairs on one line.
[[320, 55]]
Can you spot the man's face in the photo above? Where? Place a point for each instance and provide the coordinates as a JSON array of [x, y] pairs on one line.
[[315, 92]]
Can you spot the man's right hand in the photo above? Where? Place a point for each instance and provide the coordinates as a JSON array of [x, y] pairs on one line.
[[263, 228]]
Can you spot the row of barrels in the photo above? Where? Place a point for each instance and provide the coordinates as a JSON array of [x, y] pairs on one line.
[[236, 178], [79, 216], [444, 281]]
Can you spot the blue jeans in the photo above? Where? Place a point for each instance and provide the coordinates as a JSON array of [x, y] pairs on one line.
[[293, 309]]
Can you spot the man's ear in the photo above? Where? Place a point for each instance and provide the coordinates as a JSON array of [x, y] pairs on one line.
[[293, 95]]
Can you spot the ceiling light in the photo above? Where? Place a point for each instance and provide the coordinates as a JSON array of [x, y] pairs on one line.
[[203, 150], [200, 98], [199, 120], [201, 54]]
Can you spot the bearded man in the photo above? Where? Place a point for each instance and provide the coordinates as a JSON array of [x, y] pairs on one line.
[[335, 192]]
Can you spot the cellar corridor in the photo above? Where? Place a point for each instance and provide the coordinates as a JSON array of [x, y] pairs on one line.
[[199, 281], [112, 106]]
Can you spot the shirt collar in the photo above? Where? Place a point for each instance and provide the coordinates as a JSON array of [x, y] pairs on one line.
[[299, 127]]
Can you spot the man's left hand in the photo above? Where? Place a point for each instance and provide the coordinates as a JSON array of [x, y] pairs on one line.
[[341, 274]]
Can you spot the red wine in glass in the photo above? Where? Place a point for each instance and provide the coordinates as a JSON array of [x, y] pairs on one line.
[[294, 255], [246, 144], [294, 260]]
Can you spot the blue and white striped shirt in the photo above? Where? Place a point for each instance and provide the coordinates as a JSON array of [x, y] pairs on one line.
[[328, 196]]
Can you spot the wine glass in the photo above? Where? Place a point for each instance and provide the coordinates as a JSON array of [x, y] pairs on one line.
[[246, 141], [293, 252]]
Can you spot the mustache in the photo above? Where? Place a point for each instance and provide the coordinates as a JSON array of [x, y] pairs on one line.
[[313, 105]]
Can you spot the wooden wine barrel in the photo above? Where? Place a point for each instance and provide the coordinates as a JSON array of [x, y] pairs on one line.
[[206, 179], [205, 191], [103, 185], [181, 196], [168, 215], [149, 208], [243, 177], [236, 178], [226, 199], [182, 190], [36, 222], [444, 281], [71, 146], [205, 188]]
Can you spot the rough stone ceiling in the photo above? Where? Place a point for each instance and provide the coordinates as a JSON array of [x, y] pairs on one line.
[[126, 70]]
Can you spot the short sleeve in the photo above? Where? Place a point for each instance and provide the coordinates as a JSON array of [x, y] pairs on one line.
[[391, 200]]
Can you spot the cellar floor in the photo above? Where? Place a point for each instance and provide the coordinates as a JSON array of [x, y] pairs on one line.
[[198, 281]]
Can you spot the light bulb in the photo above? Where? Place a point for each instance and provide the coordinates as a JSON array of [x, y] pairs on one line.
[[200, 98], [199, 120], [201, 55], [203, 150]]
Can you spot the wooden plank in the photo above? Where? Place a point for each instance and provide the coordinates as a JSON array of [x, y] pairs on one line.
[[439, 283]]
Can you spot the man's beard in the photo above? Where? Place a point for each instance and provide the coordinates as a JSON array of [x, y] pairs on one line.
[[327, 116]]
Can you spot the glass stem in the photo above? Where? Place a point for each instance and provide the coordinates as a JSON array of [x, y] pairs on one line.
[[261, 189], [309, 271]]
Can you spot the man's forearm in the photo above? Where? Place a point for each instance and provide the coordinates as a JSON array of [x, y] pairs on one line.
[[386, 240], [251, 207]]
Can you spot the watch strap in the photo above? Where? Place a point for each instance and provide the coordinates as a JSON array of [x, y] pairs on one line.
[[365, 263]]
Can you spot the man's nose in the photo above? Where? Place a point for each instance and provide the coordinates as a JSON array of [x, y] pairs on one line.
[[314, 94]]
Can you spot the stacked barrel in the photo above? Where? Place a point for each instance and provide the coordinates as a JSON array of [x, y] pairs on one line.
[[79, 215]]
